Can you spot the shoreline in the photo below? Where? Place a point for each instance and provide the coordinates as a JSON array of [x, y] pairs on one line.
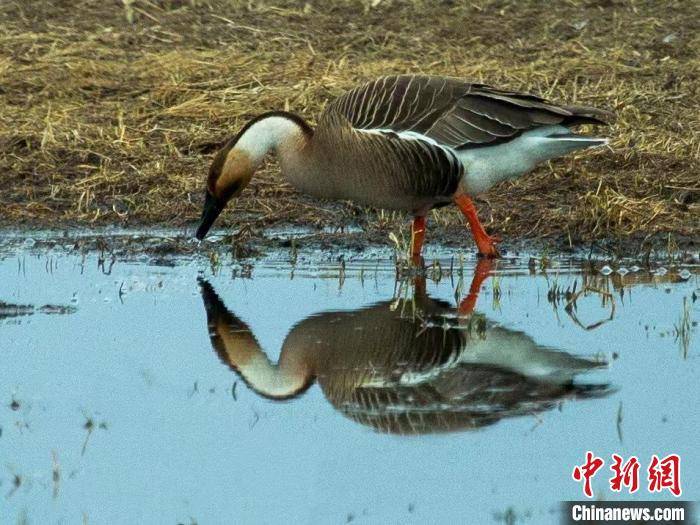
[[354, 242]]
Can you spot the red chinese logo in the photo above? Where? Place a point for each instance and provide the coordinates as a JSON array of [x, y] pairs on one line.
[[626, 474], [663, 473], [586, 471]]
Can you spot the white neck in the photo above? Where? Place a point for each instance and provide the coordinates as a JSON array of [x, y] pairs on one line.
[[275, 381], [271, 134]]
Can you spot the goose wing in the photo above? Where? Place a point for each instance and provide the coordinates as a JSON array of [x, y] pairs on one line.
[[452, 112]]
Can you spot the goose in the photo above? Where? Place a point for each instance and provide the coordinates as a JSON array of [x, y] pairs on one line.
[[384, 368], [405, 142]]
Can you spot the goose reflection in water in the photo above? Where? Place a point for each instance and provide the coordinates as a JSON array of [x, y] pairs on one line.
[[410, 366]]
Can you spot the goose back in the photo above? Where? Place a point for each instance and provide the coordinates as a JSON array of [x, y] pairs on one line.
[[452, 112], [393, 142]]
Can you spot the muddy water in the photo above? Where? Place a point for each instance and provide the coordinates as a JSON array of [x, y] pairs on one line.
[[320, 392]]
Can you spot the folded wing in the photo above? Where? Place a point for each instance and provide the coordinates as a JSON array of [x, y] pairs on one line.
[[452, 112]]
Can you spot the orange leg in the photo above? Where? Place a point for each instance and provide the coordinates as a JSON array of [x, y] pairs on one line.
[[484, 242], [417, 238], [481, 273]]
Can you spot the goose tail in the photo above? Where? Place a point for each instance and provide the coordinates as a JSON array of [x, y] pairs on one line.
[[560, 144], [580, 141], [588, 115]]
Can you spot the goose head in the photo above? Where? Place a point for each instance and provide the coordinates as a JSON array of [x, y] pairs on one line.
[[235, 164], [229, 173]]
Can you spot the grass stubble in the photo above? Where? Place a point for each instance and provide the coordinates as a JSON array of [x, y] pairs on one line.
[[110, 111]]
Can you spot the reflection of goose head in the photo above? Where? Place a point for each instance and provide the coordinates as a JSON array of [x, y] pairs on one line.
[[237, 347], [385, 368]]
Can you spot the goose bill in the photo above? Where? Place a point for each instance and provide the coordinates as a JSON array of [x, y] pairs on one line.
[[211, 211]]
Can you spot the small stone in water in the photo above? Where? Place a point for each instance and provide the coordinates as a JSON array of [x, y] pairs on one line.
[[623, 271], [661, 271], [684, 274]]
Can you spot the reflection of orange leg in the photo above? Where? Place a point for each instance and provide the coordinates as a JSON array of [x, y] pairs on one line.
[[484, 242], [419, 291], [417, 238], [481, 273]]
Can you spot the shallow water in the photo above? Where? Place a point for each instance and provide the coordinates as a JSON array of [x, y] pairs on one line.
[[132, 392]]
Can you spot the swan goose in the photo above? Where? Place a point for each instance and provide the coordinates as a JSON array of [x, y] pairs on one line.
[[408, 142]]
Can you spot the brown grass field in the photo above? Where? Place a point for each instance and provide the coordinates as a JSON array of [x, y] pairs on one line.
[[110, 110]]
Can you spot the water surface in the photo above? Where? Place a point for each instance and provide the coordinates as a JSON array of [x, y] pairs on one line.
[[329, 392]]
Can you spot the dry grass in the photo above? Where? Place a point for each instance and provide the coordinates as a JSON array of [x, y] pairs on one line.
[[110, 110]]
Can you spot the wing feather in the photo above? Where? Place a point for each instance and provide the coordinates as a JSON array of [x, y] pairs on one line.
[[452, 112]]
